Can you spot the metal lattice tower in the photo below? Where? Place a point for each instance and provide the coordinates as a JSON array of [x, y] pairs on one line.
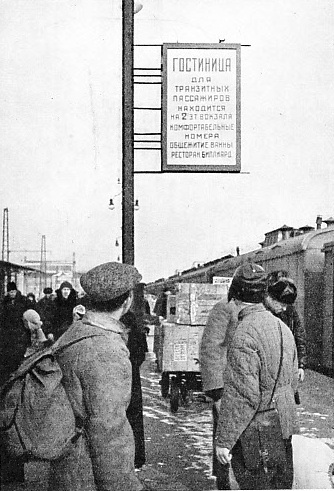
[[5, 236], [42, 277], [74, 275]]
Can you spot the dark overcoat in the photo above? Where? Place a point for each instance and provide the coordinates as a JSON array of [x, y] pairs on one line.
[[63, 316], [137, 345], [14, 338], [46, 307]]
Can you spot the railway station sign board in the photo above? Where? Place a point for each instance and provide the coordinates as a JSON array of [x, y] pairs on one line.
[[201, 108]]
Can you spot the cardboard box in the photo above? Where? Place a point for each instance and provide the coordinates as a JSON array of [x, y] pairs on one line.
[[194, 302], [181, 347]]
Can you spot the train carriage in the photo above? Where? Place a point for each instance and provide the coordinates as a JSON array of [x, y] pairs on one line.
[[308, 256]]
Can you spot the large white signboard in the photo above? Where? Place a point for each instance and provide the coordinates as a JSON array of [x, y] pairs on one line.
[[201, 107]]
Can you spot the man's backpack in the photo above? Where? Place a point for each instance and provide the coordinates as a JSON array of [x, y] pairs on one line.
[[36, 418]]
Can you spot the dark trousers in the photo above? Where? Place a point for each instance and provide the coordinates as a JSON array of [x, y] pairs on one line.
[[275, 478], [219, 470], [11, 469]]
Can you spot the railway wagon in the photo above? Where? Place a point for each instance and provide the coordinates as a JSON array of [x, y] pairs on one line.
[[304, 259], [328, 310], [303, 256]]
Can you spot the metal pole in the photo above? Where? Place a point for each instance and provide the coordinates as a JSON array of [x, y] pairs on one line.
[[127, 135]]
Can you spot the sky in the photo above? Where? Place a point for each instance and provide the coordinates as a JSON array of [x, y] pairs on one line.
[[61, 130]]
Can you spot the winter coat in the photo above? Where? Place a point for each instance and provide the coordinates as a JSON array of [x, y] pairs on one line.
[[46, 307], [252, 365], [97, 379], [137, 346], [217, 335], [291, 318], [14, 338], [63, 317]]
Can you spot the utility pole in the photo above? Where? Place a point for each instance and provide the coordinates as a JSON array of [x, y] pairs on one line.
[[5, 236], [127, 133], [42, 274], [74, 270], [5, 274]]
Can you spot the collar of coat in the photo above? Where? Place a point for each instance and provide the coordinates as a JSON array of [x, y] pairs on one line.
[[251, 309], [105, 321]]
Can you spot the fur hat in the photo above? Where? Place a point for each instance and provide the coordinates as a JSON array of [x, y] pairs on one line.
[[11, 286], [284, 290], [47, 290], [109, 280], [65, 284], [249, 283]]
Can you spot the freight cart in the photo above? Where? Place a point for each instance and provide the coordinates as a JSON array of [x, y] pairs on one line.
[[177, 340], [179, 362]]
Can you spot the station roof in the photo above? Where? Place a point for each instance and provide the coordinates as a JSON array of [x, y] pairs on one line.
[[15, 267]]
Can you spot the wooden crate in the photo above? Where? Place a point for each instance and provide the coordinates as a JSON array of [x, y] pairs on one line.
[[194, 301], [180, 347]]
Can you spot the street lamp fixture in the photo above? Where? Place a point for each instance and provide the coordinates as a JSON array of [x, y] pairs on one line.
[[112, 205], [137, 6]]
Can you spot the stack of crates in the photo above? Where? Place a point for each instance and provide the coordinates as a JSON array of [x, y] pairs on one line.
[[187, 314]]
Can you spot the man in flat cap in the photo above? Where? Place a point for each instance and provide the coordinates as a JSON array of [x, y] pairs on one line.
[[97, 379]]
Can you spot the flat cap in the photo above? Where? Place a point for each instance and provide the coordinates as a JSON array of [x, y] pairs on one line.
[[109, 280]]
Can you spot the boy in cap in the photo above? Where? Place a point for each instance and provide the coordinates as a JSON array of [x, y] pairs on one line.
[[253, 365], [97, 379]]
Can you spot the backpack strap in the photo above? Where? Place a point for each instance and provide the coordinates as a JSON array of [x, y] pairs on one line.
[[49, 350], [58, 347], [280, 364]]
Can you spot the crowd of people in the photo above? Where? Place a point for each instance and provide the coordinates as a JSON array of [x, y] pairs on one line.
[[252, 358], [103, 377]]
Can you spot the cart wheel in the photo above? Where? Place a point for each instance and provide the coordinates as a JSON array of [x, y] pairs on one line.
[[184, 393], [164, 384], [174, 395]]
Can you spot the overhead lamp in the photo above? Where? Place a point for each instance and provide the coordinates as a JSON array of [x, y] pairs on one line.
[[137, 6], [112, 206]]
